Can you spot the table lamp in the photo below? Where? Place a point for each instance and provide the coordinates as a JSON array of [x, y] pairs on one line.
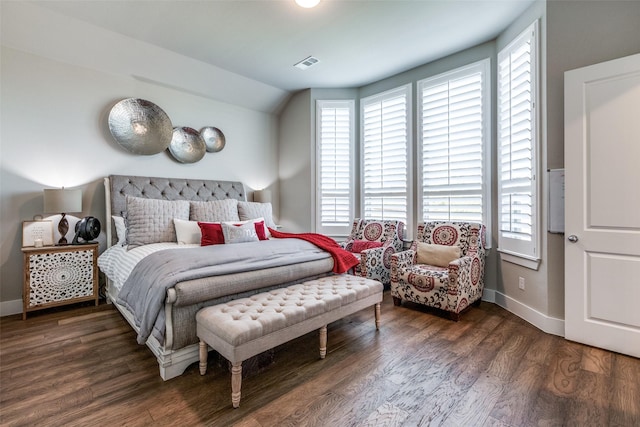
[[262, 196], [62, 201]]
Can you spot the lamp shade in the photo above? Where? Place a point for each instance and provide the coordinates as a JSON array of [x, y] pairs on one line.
[[61, 200], [262, 196]]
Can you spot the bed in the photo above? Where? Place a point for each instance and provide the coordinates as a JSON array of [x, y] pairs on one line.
[[171, 335]]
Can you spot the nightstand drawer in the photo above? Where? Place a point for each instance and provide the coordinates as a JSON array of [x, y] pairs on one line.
[[59, 275]]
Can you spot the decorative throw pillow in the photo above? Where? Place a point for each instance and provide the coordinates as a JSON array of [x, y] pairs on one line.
[[151, 220], [187, 232], [251, 210], [438, 255], [211, 233], [239, 233], [360, 245], [214, 211], [261, 230], [121, 229]]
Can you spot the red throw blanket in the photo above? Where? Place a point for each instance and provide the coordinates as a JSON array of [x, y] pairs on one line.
[[342, 260]]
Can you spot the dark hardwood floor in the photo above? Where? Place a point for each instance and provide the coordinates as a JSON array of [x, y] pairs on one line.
[[82, 367]]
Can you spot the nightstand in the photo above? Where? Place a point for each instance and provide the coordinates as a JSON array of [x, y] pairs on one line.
[[59, 275]]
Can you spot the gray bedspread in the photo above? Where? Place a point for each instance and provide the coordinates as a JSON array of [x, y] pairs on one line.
[[144, 292]]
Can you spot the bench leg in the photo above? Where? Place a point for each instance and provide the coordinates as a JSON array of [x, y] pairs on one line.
[[204, 354], [236, 383], [377, 308], [323, 342]]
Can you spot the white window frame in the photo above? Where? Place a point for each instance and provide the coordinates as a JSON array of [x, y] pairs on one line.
[[521, 251], [484, 68], [339, 228], [405, 91]]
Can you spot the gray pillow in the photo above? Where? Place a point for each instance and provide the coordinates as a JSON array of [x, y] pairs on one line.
[[251, 210], [151, 220], [214, 211]]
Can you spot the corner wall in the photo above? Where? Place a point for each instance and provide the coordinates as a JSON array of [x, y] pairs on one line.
[[297, 157]]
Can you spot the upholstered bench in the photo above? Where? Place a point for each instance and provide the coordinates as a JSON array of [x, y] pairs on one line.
[[245, 327]]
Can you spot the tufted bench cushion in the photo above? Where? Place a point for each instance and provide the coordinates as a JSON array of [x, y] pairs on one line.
[[245, 327]]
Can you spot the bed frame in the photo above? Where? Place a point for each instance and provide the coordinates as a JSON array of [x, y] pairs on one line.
[[172, 363], [177, 352]]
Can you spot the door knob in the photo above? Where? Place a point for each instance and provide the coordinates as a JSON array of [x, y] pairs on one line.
[[573, 238]]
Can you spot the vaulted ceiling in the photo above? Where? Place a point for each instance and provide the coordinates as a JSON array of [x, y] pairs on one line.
[[357, 41]]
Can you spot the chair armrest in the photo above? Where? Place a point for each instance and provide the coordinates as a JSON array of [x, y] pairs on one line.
[[460, 275], [403, 259], [463, 262], [368, 256]]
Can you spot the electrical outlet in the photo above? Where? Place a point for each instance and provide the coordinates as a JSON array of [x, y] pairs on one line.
[[521, 283]]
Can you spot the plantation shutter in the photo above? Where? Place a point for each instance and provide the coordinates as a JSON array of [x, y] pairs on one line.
[[335, 166], [453, 137], [385, 134], [516, 145]]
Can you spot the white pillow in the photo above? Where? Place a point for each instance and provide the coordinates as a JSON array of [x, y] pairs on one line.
[[187, 232], [121, 229], [239, 233]]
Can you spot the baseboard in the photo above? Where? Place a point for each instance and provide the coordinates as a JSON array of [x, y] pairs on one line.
[[550, 325], [489, 295], [7, 308]]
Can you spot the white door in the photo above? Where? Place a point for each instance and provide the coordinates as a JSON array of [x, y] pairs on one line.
[[602, 205]]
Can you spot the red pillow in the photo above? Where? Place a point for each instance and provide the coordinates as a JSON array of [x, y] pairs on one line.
[[211, 233], [360, 245], [260, 230]]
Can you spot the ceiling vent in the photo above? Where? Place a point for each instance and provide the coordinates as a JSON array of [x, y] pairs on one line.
[[307, 62]]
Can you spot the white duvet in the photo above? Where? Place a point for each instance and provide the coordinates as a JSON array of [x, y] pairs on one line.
[[117, 262]]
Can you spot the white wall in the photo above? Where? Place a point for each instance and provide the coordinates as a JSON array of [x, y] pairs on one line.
[[54, 132], [579, 34]]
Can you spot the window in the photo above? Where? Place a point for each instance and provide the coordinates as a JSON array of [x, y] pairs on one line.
[[385, 122], [454, 141], [335, 169], [517, 145]]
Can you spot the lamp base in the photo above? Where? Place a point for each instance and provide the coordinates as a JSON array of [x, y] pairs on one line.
[[63, 228]]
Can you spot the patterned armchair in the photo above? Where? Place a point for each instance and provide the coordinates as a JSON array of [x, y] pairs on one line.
[[456, 282], [373, 242]]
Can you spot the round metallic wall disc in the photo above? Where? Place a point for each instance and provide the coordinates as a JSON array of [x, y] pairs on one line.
[[187, 146], [140, 126], [213, 138]]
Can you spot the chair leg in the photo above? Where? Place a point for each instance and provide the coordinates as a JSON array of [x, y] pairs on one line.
[[236, 383], [397, 301], [453, 316], [477, 302]]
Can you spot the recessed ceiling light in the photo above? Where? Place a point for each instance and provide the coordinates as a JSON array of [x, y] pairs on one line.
[[307, 3], [307, 62]]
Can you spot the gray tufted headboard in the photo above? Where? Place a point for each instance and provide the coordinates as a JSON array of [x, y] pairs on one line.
[[119, 186]]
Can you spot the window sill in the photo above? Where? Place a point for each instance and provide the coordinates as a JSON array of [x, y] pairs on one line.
[[519, 259]]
